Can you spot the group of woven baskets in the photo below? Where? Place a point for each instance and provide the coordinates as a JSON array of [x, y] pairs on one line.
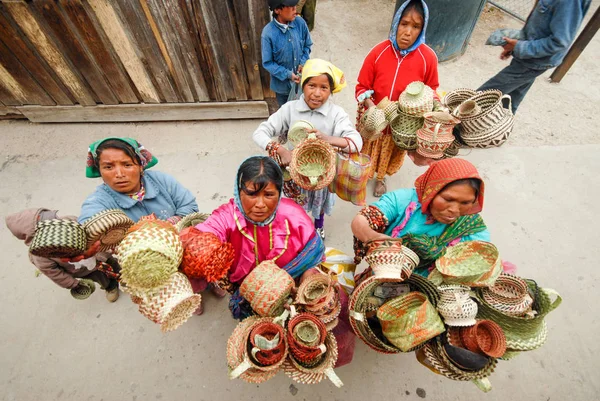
[[480, 120], [151, 254], [485, 122], [157, 260], [291, 328], [459, 320], [65, 238]]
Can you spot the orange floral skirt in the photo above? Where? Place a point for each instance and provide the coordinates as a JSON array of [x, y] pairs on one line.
[[386, 157]]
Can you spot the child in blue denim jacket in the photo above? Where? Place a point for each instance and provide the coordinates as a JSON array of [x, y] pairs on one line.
[[286, 46], [547, 35]]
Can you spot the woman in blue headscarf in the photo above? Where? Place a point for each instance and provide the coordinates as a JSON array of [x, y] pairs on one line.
[[388, 68]]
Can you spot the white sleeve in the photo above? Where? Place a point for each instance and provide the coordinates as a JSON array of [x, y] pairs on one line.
[[345, 128], [275, 125]]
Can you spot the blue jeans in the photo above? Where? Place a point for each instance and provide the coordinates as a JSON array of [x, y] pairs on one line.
[[514, 80], [282, 98]]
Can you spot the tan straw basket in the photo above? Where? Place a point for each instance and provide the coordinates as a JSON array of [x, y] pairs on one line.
[[454, 98], [456, 306], [389, 108], [191, 220], [149, 256], [240, 362], [315, 374], [299, 131], [372, 124], [417, 99], [109, 227], [172, 304]]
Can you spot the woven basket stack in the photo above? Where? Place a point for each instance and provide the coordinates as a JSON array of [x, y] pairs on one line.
[[302, 346], [485, 121], [460, 320], [150, 255]]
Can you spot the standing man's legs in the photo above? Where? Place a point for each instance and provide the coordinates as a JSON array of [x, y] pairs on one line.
[[514, 80]]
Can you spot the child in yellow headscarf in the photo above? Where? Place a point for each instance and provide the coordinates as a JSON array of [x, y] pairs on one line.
[[331, 123]]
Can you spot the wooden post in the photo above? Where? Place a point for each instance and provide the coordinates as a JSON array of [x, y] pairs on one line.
[[580, 43]]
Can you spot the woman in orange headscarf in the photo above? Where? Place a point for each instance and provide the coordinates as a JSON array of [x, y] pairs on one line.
[[441, 210]]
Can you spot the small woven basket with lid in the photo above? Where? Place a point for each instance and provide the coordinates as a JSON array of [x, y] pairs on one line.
[[58, 238], [109, 227], [313, 164], [456, 305], [417, 99]]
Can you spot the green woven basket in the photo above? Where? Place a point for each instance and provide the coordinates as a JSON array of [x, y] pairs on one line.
[[84, 290], [58, 238], [359, 305], [410, 320], [191, 220], [523, 334]]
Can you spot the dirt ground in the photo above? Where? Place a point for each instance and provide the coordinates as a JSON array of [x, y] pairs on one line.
[[541, 191]]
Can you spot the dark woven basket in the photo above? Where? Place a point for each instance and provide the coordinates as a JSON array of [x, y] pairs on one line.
[[58, 238]]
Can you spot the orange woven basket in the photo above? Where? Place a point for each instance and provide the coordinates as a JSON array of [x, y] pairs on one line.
[[485, 337], [205, 256]]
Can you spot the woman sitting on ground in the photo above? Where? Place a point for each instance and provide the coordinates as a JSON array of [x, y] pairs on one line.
[[442, 210]]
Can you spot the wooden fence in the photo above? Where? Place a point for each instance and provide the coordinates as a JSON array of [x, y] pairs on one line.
[[110, 53]]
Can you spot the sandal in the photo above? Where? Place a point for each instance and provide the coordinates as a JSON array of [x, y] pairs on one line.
[[380, 188]]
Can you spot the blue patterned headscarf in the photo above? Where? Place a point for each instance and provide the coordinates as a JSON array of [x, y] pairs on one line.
[[420, 39], [238, 201]]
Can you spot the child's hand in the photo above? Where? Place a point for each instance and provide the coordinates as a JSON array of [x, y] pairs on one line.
[[285, 155], [295, 78], [91, 251]]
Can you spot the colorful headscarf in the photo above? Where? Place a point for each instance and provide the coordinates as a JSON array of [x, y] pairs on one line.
[[315, 67], [394, 30], [238, 200], [443, 173], [146, 158]]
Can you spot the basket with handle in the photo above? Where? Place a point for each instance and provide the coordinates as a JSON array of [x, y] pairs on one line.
[[352, 175], [455, 97], [313, 164], [433, 143], [389, 107]]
